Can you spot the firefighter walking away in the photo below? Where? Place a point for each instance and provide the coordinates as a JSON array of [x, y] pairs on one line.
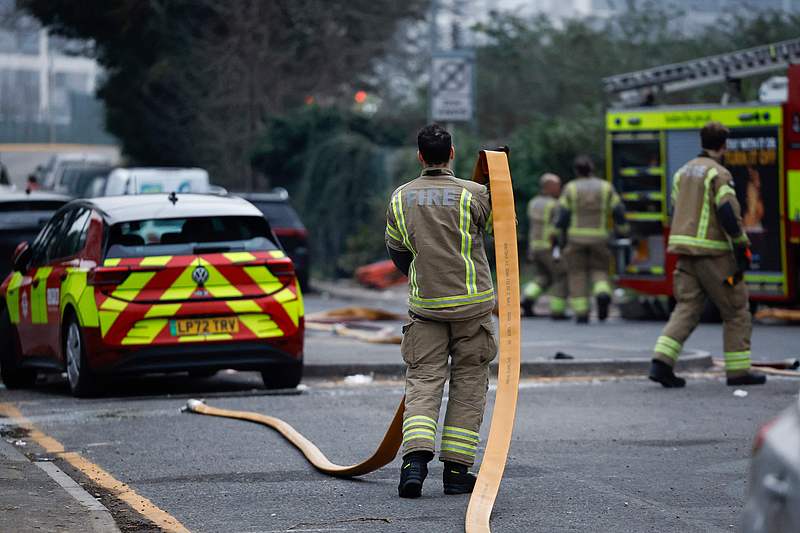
[[713, 254], [587, 203], [434, 234]]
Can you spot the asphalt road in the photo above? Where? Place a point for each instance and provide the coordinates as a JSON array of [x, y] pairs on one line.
[[586, 456], [542, 337]]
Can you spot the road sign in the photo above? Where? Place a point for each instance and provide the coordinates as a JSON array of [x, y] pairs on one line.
[[452, 87]]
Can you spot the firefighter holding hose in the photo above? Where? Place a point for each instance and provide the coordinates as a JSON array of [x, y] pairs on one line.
[[434, 234], [713, 254]]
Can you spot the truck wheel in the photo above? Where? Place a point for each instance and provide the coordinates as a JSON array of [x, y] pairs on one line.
[[81, 381], [284, 376], [13, 376]]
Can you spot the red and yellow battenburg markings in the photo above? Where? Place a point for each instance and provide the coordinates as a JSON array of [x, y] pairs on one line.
[[251, 292]]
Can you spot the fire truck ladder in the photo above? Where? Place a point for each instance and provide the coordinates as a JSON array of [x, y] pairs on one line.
[[730, 67]]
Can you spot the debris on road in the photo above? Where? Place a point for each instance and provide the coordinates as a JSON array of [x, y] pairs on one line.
[[739, 393], [358, 379], [562, 355], [353, 322]]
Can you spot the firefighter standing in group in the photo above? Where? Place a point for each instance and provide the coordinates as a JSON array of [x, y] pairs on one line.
[[586, 205], [713, 255], [434, 234], [543, 250]]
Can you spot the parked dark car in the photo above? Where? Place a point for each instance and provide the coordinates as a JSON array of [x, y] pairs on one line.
[[287, 226], [79, 180], [22, 215]]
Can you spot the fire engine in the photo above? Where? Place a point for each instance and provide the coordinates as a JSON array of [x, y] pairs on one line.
[[647, 144]]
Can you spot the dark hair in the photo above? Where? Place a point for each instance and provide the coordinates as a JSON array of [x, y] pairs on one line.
[[583, 166], [434, 144], [713, 136]]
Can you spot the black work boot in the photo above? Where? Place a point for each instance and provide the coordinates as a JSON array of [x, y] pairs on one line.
[[603, 303], [413, 474], [457, 479], [581, 319], [750, 378], [527, 307], [661, 372]]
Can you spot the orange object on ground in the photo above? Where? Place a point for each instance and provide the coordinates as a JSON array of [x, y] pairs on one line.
[[380, 275]]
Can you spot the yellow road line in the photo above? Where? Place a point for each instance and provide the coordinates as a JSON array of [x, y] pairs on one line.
[[98, 475]]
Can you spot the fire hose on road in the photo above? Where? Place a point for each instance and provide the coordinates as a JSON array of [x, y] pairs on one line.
[[491, 168]]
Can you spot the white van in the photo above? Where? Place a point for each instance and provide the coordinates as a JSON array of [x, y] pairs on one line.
[[142, 180]]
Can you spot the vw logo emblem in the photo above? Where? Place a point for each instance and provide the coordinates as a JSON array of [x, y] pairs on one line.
[[200, 275]]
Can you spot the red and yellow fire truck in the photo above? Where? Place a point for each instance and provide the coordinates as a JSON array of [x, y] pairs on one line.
[[646, 146]]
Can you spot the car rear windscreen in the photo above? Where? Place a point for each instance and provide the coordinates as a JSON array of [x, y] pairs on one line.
[[280, 215], [189, 236], [27, 213]]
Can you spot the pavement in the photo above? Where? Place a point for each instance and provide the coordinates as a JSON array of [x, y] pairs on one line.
[[587, 455], [31, 498]]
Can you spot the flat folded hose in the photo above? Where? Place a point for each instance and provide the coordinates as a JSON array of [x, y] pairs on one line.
[[492, 167]]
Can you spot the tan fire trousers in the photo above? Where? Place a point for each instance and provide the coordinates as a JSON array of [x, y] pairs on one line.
[[470, 345], [697, 278], [551, 276], [587, 268]]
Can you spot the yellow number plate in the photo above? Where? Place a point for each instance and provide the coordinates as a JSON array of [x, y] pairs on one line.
[[204, 326]]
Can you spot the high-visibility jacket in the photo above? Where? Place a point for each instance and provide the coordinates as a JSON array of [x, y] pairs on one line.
[[699, 188], [441, 220], [590, 202], [542, 218]]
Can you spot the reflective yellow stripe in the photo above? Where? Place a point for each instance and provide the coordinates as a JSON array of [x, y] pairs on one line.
[[393, 233], [456, 448], [144, 331], [587, 232], [204, 338], [261, 325], [133, 284], [244, 306], [76, 292], [291, 304], [705, 213], [668, 347], [451, 301], [580, 304], [702, 243], [112, 262], [277, 254], [162, 310], [460, 432], [723, 191], [218, 285], [265, 279], [109, 311], [12, 297], [420, 419], [464, 223], [397, 209], [159, 260], [239, 257], [737, 360], [39, 296]]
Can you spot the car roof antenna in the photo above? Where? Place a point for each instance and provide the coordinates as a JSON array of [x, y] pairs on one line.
[[173, 197]]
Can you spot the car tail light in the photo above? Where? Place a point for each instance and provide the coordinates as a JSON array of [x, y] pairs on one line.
[[108, 275], [298, 233], [283, 269], [761, 436], [114, 275]]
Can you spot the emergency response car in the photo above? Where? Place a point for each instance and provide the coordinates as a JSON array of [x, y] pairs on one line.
[[151, 283]]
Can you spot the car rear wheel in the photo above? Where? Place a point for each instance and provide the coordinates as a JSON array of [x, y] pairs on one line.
[[79, 375], [13, 376], [285, 376]]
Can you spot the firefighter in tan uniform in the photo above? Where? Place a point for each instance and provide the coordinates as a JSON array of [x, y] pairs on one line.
[[713, 255], [434, 233], [586, 205], [543, 252]]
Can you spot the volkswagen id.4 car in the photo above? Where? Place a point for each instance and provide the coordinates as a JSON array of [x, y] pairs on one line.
[[149, 284]]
